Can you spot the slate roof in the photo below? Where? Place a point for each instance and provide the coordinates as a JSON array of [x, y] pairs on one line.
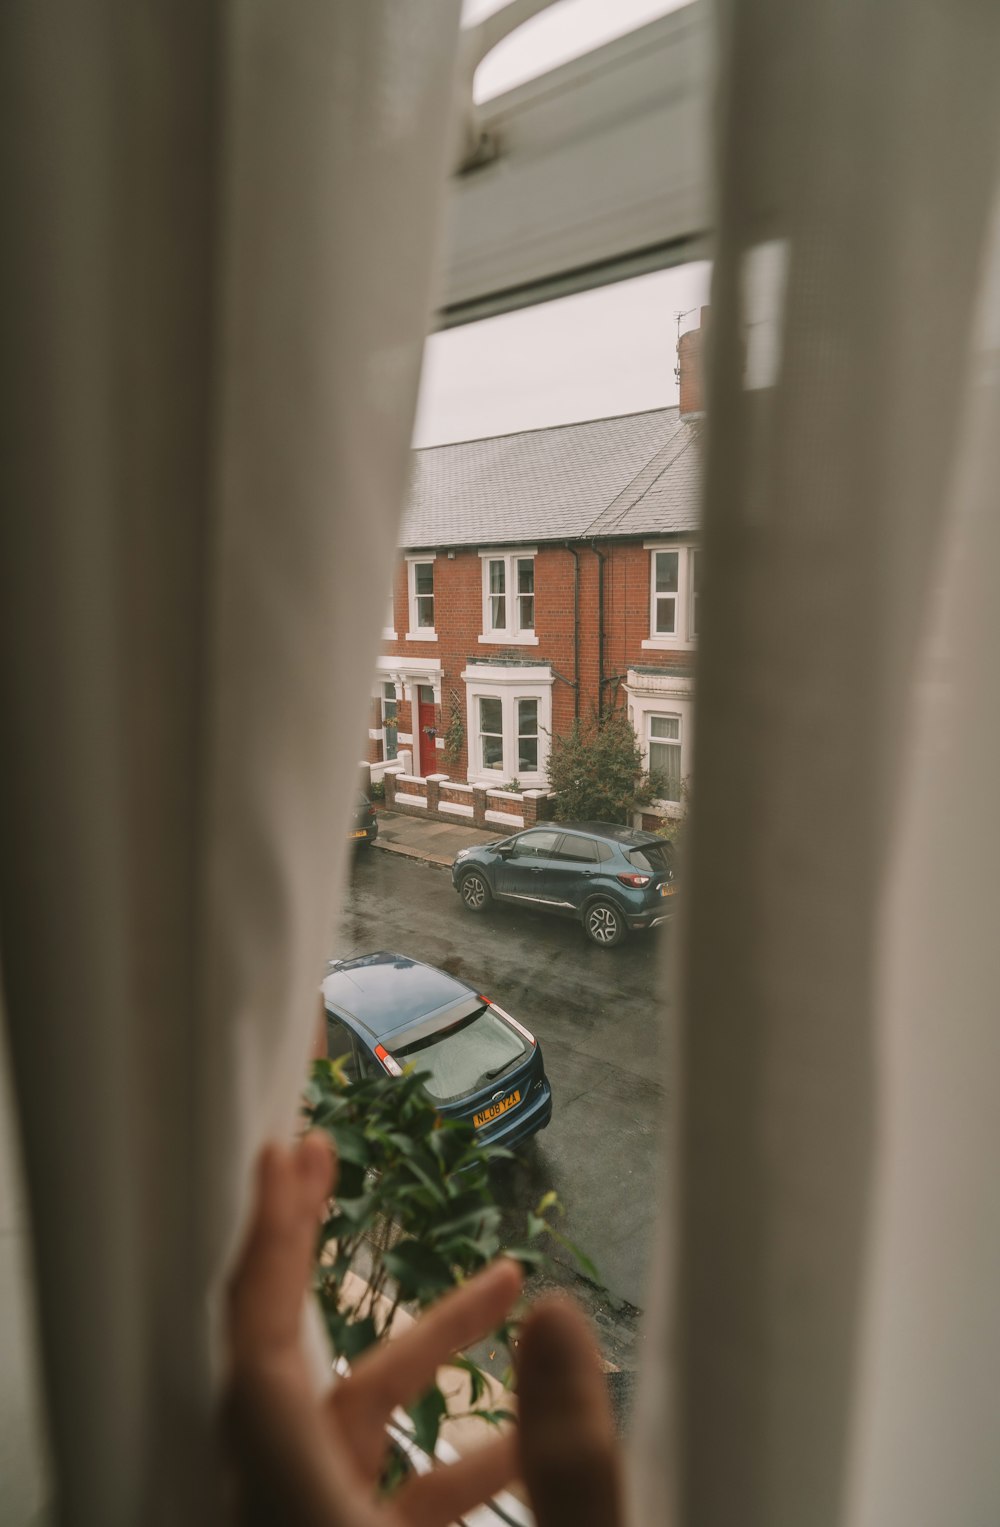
[[637, 474]]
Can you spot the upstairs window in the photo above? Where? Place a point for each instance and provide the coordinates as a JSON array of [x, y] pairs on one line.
[[421, 581], [509, 597], [673, 597]]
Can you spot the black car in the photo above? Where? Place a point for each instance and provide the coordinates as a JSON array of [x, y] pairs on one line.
[[612, 879], [385, 1011], [364, 823]]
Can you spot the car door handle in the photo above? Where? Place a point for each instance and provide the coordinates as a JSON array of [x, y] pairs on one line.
[[536, 869]]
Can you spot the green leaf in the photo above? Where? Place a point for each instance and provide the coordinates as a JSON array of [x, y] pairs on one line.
[[495, 1417], [418, 1270], [352, 1145], [477, 1378], [357, 1336], [535, 1227], [549, 1200], [427, 1415], [527, 1256]]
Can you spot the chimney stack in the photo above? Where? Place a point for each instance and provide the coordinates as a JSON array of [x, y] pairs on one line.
[[690, 353]]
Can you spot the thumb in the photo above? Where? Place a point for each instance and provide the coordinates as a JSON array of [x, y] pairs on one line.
[[569, 1456]]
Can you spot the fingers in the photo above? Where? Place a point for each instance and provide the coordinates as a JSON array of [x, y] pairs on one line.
[[569, 1458], [273, 1274], [398, 1371], [445, 1494]]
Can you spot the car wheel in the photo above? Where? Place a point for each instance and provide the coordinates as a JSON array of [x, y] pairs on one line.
[[604, 924], [475, 892]]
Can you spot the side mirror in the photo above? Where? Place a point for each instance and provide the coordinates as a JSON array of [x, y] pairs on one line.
[[504, 850]]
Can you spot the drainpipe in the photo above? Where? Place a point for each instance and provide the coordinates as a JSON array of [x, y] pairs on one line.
[[576, 629], [601, 559]]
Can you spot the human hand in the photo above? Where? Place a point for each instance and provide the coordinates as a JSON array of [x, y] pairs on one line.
[[310, 1462]]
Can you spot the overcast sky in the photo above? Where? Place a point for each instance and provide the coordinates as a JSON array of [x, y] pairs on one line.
[[610, 351]]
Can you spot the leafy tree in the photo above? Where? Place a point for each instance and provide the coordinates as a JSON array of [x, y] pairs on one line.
[[598, 772], [414, 1215]]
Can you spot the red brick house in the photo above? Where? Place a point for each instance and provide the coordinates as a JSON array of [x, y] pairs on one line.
[[544, 575]]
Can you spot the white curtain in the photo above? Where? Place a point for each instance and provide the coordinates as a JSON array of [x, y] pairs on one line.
[[830, 1321], [220, 228]]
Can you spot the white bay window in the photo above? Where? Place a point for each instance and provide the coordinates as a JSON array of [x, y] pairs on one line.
[[509, 722]]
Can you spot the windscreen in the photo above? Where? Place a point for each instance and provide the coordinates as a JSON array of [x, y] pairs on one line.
[[652, 856], [465, 1057]]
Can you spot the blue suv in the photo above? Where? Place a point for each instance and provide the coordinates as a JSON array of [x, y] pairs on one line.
[[612, 879]]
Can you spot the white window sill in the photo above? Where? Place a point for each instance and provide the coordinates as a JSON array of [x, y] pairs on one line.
[[507, 639], [389, 636], [668, 644], [421, 636]]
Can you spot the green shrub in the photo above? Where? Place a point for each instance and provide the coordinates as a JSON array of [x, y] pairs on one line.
[[598, 773]]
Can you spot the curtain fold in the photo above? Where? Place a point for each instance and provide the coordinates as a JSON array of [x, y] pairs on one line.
[[217, 271], [859, 144]]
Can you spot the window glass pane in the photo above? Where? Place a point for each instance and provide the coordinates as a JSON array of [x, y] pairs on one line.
[[527, 755], [498, 600], [526, 575], [666, 614], [535, 845], [578, 850], [491, 732], [465, 1057], [423, 577], [425, 611], [527, 717], [666, 572], [665, 726], [526, 593], [652, 856], [694, 592], [498, 577], [665, 757]]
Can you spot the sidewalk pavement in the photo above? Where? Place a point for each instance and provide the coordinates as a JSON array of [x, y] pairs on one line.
[[433, 841]]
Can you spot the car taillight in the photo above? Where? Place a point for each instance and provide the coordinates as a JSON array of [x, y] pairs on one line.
[[387, 1061], [525, 1033], [637, 881]]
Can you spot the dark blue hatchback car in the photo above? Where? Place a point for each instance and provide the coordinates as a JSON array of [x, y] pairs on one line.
[[610, 878], [385, 1011]]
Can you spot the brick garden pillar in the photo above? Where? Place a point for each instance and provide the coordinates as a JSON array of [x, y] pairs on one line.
[[529, 806], [479, 805], [434, 783], [389, 780]]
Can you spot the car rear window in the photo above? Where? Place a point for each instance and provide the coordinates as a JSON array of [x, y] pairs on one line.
[[464, 1057], [652, 856]]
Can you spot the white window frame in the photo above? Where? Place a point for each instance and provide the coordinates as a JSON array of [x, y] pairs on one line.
[[389, 629], [384, 731], [418, 633], [649, 742], [684, 638], [508, 685], [654, 694], [510, 634]]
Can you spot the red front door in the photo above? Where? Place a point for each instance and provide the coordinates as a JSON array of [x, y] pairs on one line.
[[426, 723]]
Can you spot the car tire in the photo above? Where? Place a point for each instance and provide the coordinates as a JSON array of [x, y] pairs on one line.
[[604, 924], [474, 891]]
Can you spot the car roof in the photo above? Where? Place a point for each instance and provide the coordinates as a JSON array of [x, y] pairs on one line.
[[614, 832], [387, 992]]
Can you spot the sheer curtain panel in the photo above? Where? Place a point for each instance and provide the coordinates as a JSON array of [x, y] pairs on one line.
[[831, 1315], [216, 278]]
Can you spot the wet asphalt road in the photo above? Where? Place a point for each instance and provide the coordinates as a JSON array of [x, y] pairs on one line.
[[598, 1017]]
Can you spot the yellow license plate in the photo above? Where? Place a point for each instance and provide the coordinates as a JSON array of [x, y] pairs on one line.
[[667, 890], [495, 1110], [361, 834]]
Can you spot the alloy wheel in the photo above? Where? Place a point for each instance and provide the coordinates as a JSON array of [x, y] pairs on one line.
[[474, 893], [604, 925]]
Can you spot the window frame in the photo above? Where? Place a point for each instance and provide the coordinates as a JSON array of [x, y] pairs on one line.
[[511, 634], [416, 632], [666, 742], [510, 686], [684, 638], [662, 694]]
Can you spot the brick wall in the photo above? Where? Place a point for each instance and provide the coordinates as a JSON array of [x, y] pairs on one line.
[[458, 614]]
